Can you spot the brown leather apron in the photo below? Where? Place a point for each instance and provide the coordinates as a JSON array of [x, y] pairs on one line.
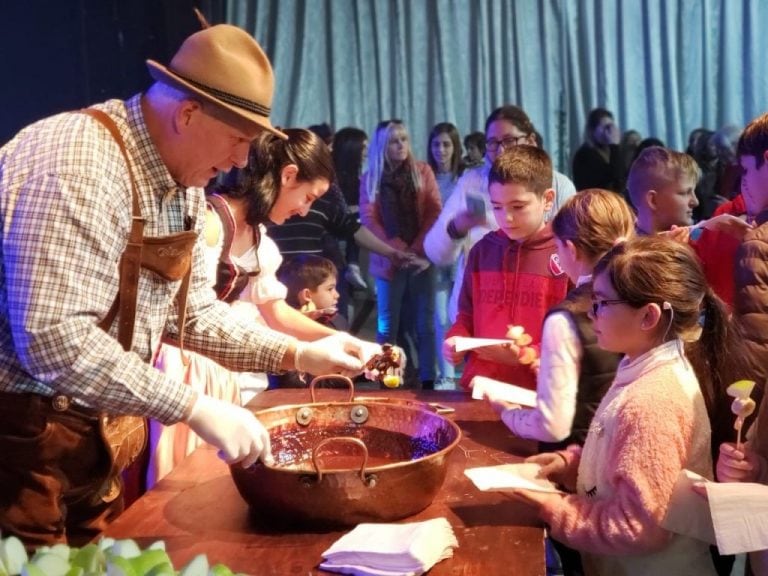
[[171, 258]]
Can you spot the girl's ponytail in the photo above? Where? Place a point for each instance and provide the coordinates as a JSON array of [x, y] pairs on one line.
[[718, 359]]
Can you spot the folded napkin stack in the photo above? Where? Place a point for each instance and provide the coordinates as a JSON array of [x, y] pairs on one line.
[[391, 549]]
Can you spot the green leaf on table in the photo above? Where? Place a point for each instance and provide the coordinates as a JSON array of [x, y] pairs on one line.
[[90, 558], [51, 564], [31, 570], [13, 555], [124, 549], [149, 559], [119, 566], [198, 566], [220, 570]]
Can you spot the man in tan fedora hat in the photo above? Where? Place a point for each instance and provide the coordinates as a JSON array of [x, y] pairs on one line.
[[100, 259]]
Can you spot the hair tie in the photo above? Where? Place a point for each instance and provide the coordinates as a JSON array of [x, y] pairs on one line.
[[619, 240]]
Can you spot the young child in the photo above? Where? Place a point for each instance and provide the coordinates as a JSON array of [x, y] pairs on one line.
[[310, 281], [662, 186], [574, 373], [649, 295], [513, 275]]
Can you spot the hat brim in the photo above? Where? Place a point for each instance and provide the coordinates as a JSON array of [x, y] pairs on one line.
[[163, 74]]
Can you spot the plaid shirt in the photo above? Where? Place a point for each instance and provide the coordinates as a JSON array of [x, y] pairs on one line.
[[65, 207]]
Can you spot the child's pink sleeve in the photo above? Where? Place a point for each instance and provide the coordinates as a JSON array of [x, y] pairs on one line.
[[650, 448]]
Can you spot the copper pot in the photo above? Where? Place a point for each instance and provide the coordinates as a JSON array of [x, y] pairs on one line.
[[342, 463]]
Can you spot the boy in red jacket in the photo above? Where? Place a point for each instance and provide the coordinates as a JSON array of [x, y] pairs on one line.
[[661, 185], [513, 275]]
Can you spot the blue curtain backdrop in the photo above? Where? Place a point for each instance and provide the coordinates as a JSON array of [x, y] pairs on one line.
[[664, 67]]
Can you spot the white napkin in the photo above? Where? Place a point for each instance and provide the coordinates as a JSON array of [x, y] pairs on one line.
[[498, 390], [391, 549], [687, 512], [463, 343], [509, 477], [740, 516]]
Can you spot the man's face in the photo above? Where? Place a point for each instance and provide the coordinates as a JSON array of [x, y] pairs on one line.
[[209, 145], [754, 184], [674, 204]]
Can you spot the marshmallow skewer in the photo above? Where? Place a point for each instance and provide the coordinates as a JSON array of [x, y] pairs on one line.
[[522, 340], [742, 405]]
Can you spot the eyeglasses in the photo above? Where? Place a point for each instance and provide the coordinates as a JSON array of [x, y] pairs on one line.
[[597, 305], [507, 142]]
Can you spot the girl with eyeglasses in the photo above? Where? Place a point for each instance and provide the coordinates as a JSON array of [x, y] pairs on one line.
[[650, 296], [574, 373]]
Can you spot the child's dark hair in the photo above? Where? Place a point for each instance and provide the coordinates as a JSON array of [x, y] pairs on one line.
[[453, 134], [476, 139], [754, 140], [658, 269], [304, 271], [348, 146], [525, 165], [259, 182]]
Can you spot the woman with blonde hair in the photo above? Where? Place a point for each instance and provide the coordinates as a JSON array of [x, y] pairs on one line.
[[399, 202]]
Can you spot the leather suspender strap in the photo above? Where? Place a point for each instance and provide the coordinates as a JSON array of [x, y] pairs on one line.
[[130, 262]]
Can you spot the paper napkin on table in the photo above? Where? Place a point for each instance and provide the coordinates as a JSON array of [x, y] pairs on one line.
[[391, 549], [509, 477], [498, 390]]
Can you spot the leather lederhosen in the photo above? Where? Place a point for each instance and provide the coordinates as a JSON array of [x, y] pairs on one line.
[[171, 258]]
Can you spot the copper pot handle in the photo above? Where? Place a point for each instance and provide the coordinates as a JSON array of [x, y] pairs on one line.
[[355, 441], [331, 377]]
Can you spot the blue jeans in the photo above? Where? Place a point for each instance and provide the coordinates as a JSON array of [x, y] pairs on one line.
[[406, 305], [443, 288]]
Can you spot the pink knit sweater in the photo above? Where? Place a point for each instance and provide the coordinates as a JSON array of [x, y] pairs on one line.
[[650, 425]]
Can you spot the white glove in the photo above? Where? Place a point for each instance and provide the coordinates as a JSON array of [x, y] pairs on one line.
[[338, 353], [235, 431]]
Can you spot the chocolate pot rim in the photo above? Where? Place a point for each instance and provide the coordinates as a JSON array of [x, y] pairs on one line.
[[393, 405]]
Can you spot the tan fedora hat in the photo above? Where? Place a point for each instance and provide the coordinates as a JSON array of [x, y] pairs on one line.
[[226, 66]]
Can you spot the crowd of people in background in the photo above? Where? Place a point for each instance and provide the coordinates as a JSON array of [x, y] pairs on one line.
[[411, 278], [633, 272]]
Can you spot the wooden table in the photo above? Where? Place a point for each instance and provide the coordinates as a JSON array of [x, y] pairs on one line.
[[197, 509]]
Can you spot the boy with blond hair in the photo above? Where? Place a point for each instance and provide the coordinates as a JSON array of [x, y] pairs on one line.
[[513, 275], [662, 186]]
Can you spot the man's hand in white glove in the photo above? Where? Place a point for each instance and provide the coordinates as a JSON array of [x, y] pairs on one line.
[[235, 431], [371, 349], [338, 353]]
